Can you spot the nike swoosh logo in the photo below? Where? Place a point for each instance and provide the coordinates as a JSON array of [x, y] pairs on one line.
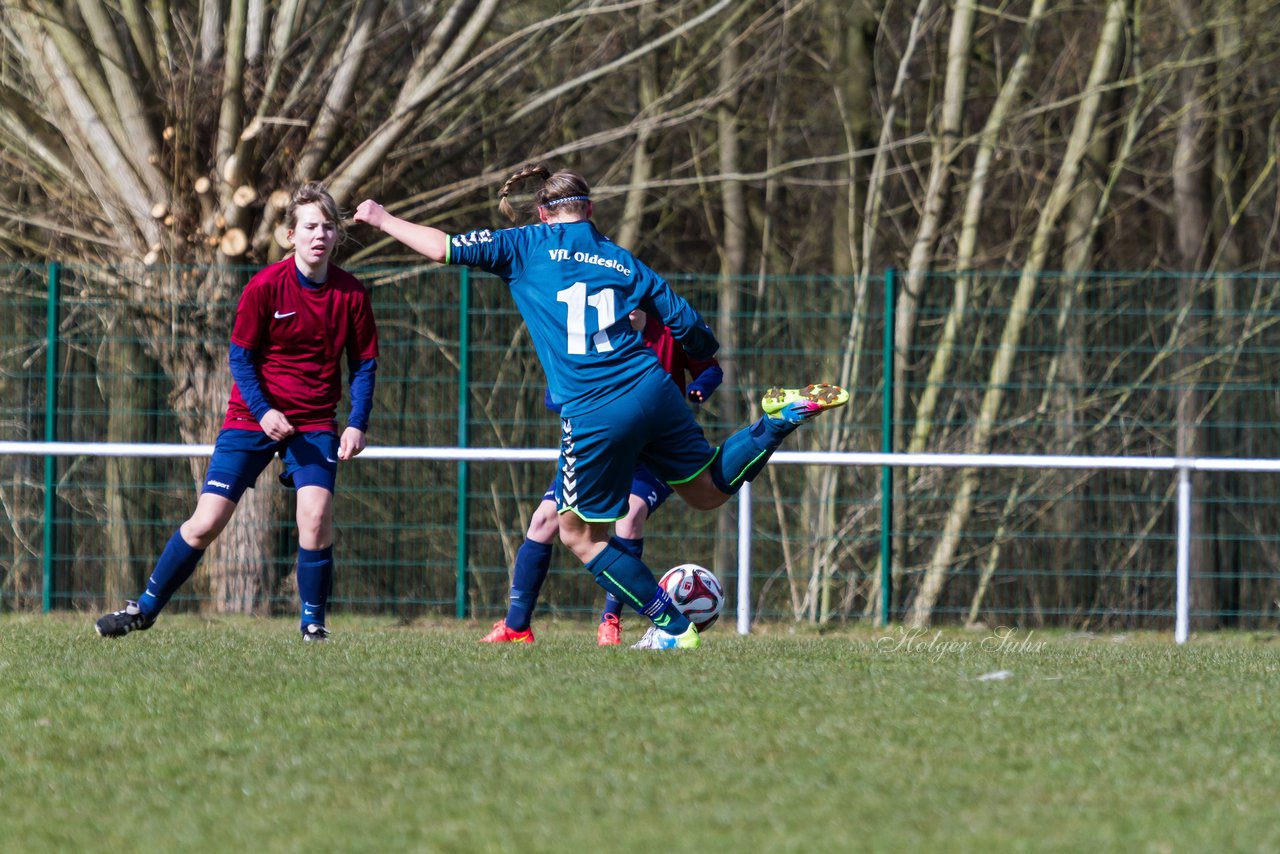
[[330, 460], [280, 316]]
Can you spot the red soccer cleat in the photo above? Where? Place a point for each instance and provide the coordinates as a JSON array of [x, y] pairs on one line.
[[502, 634], [610, 631]]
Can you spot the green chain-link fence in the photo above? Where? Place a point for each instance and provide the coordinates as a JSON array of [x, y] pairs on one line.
[[1141, 365]]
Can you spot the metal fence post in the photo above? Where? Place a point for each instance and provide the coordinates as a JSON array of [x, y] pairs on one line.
[[744, 559], [1182, 607], [464, 413], [51, 430], [886, 445]]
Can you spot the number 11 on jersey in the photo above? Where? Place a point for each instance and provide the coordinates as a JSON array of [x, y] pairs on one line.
[[575, 296]]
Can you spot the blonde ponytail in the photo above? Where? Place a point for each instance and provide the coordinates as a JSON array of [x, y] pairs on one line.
[[529, 170], [567, 191]]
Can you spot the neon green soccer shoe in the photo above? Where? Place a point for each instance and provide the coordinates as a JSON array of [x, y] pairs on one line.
[[656, 638], [801, 404]]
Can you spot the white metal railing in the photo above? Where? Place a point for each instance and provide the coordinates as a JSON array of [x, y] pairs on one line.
[[1180, 466]]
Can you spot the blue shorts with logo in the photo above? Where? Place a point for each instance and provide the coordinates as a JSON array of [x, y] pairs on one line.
[[239, 456], [601, 450], [644, 485]]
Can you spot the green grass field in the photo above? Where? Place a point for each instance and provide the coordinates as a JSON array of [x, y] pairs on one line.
[[230, 733]]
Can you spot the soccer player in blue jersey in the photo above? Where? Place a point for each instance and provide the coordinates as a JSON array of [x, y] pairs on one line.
[[648, 493], [575, 288], [296, 323]]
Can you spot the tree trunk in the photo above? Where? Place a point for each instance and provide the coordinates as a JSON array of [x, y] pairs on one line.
[[921, 258], [849, 36], [873, 206], [975, 196], [120, 365], [1234, 160], [1066, 376], [1192, 158], [733, 262], [968, 239], [980, 439], [628, 230]]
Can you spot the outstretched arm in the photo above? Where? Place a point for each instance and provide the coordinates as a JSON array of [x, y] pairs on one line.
[[423, 239]]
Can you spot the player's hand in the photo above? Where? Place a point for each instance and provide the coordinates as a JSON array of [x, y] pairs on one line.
[[696, 395], [372, 213], [276, 426], [351, 443]]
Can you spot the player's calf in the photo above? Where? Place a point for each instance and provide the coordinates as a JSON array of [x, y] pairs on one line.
[[744, 454]]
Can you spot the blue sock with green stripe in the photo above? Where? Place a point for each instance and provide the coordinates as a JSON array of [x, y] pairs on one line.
[[635, 548], [631, 581], [744, 454]]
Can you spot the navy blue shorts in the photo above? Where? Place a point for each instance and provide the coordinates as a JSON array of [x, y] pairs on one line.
[[239, 456], [600, 450]]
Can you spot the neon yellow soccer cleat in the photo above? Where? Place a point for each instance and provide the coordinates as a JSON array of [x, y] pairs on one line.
[[801, 404], [656, 638]]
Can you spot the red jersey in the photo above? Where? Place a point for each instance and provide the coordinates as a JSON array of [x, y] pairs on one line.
[[659, 339], [299, 337]]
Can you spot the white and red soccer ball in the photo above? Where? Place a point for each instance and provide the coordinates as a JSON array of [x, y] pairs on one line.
[[696, 591]]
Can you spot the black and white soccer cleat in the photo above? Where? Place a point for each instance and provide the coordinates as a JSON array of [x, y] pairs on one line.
[[117, 624]]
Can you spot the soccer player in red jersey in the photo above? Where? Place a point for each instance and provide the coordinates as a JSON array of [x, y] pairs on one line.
[[648, 493], [296, 322]]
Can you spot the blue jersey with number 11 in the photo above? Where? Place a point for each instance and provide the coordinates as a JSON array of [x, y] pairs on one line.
[[575, 287]]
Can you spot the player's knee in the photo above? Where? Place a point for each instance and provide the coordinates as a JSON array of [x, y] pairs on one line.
[[200, 531], [313, 527], [578, 541], [544, 524], [542, 531]]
